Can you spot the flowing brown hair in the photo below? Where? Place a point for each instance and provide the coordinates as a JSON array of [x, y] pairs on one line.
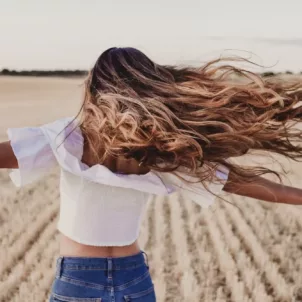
[[169, 117]]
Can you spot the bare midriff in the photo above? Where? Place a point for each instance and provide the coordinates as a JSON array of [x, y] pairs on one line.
[[71, 248]]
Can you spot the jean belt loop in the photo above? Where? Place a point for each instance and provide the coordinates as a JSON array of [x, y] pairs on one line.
[[59, 267], [146, 258], [109, 268]]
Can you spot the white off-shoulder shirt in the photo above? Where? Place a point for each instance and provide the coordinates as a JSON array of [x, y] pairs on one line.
[[98, 207]]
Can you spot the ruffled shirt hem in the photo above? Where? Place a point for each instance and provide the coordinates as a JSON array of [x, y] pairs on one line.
[[38, 149]]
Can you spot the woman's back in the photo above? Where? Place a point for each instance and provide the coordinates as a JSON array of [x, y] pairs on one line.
[[116, 165]]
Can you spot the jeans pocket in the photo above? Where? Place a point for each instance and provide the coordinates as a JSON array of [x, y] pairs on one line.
[[59, 298], [142, 296], [73, 290]]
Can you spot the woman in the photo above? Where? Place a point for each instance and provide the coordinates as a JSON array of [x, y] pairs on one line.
[[148, 129]]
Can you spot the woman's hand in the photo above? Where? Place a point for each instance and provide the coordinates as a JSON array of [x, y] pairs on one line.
[[264, 189], [8, 159]]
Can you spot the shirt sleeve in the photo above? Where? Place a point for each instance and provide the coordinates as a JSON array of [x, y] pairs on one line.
[[196, 191], [33, 152], [205, 196]]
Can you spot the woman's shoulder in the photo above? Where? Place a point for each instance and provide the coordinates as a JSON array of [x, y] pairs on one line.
[[64, 135], [62, 130], [60, 125]]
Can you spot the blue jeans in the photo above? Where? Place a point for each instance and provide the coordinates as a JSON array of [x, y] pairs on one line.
[[103, 280]]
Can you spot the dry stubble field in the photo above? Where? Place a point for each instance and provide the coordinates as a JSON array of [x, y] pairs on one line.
[[220, 254]]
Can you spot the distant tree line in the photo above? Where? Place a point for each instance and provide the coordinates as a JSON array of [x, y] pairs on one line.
[[267, 74], [81, 73], [271, 74], [44, 73]]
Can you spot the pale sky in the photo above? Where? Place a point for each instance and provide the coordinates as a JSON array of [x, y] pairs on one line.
[[70, 34]]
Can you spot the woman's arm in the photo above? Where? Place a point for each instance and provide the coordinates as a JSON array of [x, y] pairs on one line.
[[8, 159], [266, 190]]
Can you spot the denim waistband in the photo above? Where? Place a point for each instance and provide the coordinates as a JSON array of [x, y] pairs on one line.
[[106, 263]]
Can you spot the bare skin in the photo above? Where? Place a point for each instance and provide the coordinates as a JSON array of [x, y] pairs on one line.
[[261, 189]]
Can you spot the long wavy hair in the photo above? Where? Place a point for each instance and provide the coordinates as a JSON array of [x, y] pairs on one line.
[[192, 118]]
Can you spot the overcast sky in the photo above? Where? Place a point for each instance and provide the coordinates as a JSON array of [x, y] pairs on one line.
[[71, 34]]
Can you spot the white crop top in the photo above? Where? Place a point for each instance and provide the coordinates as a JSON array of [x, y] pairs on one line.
[[98, 207]]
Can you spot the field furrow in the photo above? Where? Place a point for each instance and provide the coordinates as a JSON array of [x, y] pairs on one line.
[[12, 230], [270, 226], [42, 274], [248, 272], [280, 289], [18, 250], [151, 239], [211, 278], [183, 272], [159, 255], [226, 262], [27, 265]]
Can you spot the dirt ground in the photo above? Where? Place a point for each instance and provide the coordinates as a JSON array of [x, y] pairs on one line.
[[220, 254]]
